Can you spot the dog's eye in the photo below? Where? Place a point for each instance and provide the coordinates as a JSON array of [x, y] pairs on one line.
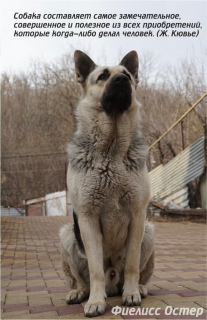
[[126, 74], [103, 76]]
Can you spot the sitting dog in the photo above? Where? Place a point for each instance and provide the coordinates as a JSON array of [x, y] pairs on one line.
[[75, 265], [109, 248]]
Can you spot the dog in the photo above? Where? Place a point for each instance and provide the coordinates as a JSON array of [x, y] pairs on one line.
[[110, 246]]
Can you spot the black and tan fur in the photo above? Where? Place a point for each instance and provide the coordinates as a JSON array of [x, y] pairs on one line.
[[110, 247]]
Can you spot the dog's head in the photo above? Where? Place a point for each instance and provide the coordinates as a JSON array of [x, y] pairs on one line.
[[112, 88]]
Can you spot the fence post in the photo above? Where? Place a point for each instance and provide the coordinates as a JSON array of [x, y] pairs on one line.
[[182, 128], [66, 189]]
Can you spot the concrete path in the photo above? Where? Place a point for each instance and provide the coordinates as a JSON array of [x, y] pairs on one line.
[[33, 285]]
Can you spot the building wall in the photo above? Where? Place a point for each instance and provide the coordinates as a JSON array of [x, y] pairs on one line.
[[203, 191], [34, 209], [54, 204]]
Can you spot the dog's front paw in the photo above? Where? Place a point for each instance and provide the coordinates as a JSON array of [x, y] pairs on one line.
[[76, 296], [143, 290], [93, 309], [131, 299]]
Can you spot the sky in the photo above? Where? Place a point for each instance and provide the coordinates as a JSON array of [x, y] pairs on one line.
[[17, 53]]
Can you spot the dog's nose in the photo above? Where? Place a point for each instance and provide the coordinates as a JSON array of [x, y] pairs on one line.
[[112, 274], [121, 79]]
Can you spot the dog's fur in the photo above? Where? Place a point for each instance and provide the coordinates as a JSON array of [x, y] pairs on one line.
[[110, 247]]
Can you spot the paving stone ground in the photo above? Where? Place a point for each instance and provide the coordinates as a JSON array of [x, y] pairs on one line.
[[33, 285]]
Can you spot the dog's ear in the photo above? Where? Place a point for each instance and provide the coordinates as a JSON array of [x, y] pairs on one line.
[[83, 66], [131, 63]]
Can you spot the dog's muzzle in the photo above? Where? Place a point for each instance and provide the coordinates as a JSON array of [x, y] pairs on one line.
[[117, 95]]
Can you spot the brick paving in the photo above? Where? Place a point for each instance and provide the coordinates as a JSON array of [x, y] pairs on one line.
[[33, 285]]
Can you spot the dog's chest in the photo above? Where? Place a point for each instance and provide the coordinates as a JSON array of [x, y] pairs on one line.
[[113, 186], [106, 184], [115, 194]]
